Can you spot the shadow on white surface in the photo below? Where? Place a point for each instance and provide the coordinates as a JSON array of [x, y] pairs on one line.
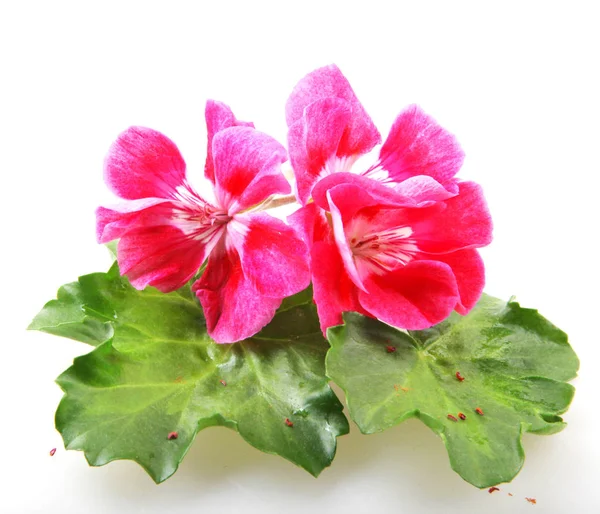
[[404, 465]]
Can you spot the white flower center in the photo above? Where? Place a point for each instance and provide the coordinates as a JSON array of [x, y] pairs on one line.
[[383, 251]]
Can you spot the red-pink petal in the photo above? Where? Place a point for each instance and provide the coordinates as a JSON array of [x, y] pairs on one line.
[[247, 168], [417, 145], [274, 258], [372, 192], [343, 247], [468, 269], [362, 135], [310, 224], [112, 223], [333, 291], [143, 163], [314, 140], [233, 309], [161, 256], [460, 222], [414, 297], [218, 117]]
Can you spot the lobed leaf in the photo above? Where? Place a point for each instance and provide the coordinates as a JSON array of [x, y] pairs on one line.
[[155, 371], [514, 363]]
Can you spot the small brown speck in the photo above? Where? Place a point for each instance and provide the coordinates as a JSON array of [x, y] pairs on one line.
[[288, 422], [451, 417], [462, 416], [492, 489], [509, 494], [52, 452], [172, 435], [223, 383], [479, 411], [533, 501], [390, 349]]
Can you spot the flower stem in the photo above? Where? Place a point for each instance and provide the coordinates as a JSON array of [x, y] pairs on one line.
[[278, 202]]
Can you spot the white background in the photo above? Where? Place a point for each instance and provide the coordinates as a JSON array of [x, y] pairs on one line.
[[515, 81]]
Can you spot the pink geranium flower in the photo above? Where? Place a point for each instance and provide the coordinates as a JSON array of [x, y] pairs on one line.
[[377, 253], [167, 230], [395, 240], [329, 130]]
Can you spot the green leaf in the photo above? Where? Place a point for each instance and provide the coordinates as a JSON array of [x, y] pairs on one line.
[[514, 363], [155, 371], [90, 309]]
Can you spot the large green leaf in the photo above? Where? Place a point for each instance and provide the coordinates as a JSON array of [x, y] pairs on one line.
[[514, 364], [155, 371]]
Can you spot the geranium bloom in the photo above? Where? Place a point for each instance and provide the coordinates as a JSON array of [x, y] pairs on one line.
[[167, 230], [377, 253], [329, 130], [395, 240]]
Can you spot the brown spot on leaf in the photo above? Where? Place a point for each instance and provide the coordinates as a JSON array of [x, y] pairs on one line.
[[288, 422]]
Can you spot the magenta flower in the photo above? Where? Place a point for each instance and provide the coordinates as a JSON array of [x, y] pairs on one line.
[[329, 130], [376, 253], [397, 240], [167, 230]]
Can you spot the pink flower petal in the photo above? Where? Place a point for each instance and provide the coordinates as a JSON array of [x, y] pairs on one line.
[[460, 222], [112, 223], [310, 224], [375, 191], [417, 145], [247, 166], [143, 163], [362, 135], [468, 269], [161, 256], [218, 117], [424, 190], [343, 246], [333, 291], [233, 309], [274, 259], [314, 140], [414, 297]]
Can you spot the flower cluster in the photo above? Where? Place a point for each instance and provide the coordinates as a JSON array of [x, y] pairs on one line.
[[395, 240]]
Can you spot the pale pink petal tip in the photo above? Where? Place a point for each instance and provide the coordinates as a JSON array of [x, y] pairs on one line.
[[218, 117], [328, 127], [418, 145]]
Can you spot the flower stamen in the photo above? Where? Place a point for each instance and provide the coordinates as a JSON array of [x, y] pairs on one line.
[[384, 251]]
